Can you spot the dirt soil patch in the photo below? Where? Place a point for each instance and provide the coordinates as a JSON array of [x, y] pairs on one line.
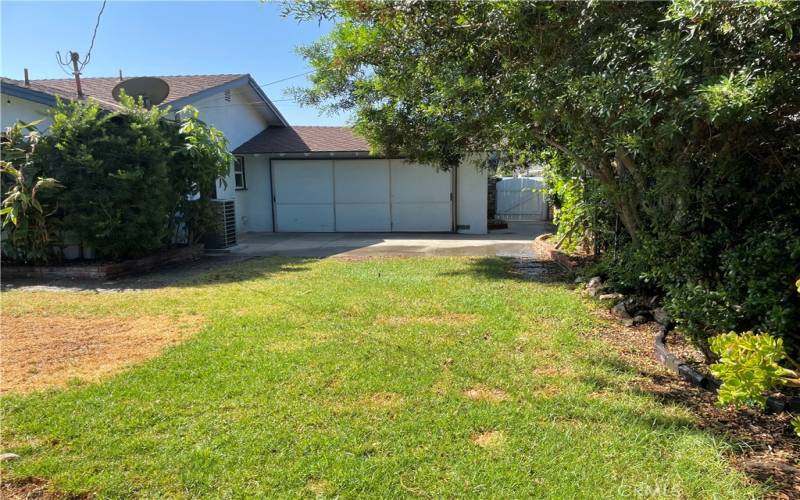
[[488, 394], [46, 351], [769, 451], [32, 488]]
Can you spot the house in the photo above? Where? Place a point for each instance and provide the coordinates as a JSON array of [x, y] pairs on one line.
[[292, 178]]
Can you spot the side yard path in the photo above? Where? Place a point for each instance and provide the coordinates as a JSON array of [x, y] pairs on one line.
[[430, 377]]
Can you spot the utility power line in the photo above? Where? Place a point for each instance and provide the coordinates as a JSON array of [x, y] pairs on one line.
[[287, 78]]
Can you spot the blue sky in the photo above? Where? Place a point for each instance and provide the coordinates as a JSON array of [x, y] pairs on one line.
[[164, 38]]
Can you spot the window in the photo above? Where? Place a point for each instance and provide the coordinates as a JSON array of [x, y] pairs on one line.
[[238, 173]]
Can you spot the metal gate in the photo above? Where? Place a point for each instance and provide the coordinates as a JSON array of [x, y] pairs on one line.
[[521, 199]]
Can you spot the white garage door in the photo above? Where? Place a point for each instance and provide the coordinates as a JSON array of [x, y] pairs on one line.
[[360, 196], [421, 198], [303, 195]]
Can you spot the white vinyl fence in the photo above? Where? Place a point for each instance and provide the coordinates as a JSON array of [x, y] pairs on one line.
[[521, 199]]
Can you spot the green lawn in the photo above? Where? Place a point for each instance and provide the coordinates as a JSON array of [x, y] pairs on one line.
[[360, 378]]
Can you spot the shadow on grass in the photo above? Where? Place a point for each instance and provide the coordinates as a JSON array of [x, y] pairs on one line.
[[520, 269], [208, 271]]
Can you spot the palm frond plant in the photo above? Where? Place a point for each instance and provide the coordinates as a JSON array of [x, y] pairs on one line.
[[28, 232]]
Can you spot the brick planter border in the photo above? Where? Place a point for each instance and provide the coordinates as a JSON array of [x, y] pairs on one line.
[[108, 270], [541, 244]]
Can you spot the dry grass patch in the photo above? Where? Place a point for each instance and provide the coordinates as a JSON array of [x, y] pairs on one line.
[[318, 487], [383, 400], [442, 319], [489, 439], [554, 371], [547, 392], [40, 352], [488, 394], [33, 488]]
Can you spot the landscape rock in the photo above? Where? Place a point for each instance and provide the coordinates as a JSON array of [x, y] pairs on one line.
[[579, 280], [620, 311], [634, 321], [594, 292], [638, 306], [611, 296], [7, 457], [662, 317], [595, 286]]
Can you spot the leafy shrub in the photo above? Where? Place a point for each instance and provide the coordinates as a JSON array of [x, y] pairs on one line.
[[200, 160], [758, 275], [26, 221], [749, 366], [114, 167], [736, 284], [581, 211], [133, 180]]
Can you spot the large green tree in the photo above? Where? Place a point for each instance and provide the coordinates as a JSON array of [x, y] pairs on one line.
[[684, 116], [625, 89]]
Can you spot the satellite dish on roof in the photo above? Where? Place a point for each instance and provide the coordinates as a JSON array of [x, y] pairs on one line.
[[152, 90]]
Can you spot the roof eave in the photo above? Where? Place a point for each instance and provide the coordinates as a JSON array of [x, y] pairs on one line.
[[238, 82], [28, 94], [257, 88]]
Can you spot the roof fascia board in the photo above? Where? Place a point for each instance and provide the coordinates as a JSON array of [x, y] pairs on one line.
[[245, 79], [266, 100], [189, 99], [28, 94]]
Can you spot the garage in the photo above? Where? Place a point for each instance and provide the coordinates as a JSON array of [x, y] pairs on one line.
[[360, 195]]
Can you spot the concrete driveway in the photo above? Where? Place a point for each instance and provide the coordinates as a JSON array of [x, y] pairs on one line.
[[512, 242]]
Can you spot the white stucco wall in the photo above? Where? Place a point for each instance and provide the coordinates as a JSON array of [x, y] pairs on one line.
[[238, 120], [254, 205], [14, 109], [472, 194]]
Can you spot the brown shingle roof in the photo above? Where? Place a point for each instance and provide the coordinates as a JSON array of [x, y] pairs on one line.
[[304, 139], [180, 86]]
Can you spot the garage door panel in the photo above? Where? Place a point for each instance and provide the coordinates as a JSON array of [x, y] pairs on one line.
[[421, 198], [419, 183], [304, 218], [303, 191], [301, 181], [362, 195], [426, 217], [363, 217], [362, 181]]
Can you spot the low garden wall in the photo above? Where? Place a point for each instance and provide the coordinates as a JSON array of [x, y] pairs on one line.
[[106, 270]]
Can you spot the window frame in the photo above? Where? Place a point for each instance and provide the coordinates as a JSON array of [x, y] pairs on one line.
[[239, 170]]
